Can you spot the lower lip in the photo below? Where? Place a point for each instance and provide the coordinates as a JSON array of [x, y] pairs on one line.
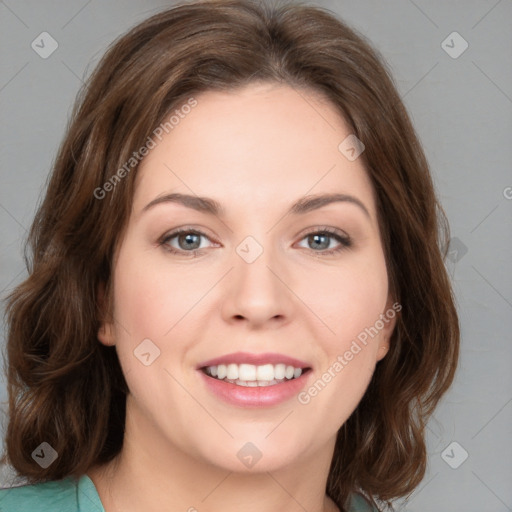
[[261, 396]]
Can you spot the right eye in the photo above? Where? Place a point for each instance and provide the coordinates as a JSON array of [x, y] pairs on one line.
[[187, 241]]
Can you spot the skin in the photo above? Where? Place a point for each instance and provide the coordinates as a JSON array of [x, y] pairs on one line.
[[256, 151]]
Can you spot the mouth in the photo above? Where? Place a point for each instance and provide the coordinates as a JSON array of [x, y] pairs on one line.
[[254, 380], [250, 375]]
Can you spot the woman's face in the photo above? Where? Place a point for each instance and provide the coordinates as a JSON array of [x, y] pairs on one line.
[[252, 290]]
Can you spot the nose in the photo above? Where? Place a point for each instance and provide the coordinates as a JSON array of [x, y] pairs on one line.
[[257, 293]]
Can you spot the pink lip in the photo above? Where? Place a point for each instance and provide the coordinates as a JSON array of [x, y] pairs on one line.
[[256, 359], [258, 396]]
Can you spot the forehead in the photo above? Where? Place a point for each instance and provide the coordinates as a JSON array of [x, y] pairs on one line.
[[265, 143]]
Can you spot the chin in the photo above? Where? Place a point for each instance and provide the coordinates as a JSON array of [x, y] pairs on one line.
[[256, 454]]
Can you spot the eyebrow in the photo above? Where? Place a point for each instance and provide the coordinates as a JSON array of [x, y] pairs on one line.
[[210, 206]]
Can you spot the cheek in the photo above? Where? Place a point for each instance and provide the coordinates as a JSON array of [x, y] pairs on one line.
[[149, 300], [353, 303], [152, 303], [351, 298]]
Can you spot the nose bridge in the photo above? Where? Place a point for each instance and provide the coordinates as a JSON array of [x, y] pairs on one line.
[[255, 258], [256, 292]]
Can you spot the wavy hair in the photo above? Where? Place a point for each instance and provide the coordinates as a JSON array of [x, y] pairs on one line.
[[66, 388]]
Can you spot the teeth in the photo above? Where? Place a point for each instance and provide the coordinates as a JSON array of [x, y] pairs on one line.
[[221, 371], [253, 383], [247, 372], [279, 371], [250, 375], [232, 372], [265, 372]]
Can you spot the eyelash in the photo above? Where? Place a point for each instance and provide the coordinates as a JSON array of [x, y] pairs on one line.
[[344, 241]]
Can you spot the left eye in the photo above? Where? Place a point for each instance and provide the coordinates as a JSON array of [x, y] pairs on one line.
[[322, 240]]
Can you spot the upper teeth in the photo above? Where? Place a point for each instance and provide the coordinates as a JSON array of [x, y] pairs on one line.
[[250, 372]]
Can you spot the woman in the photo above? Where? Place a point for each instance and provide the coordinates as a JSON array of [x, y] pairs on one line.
[[288, 358]]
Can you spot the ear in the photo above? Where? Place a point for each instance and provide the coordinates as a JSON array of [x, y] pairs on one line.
[[106, 333], [388, 318]]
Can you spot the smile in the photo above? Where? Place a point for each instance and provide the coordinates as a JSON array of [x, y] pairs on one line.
[[250, 375]]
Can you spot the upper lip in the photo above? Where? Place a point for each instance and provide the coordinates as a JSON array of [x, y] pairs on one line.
[[255, 359]]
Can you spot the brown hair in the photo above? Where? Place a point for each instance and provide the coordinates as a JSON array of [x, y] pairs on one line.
[[68, 389]]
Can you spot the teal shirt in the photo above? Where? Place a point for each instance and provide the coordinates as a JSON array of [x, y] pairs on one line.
[[68, 495]]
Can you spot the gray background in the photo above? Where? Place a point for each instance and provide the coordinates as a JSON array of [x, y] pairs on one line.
[[462, 110]]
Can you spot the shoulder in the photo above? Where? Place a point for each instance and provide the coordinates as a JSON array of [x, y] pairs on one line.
[[359, 504], [54, 496]]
